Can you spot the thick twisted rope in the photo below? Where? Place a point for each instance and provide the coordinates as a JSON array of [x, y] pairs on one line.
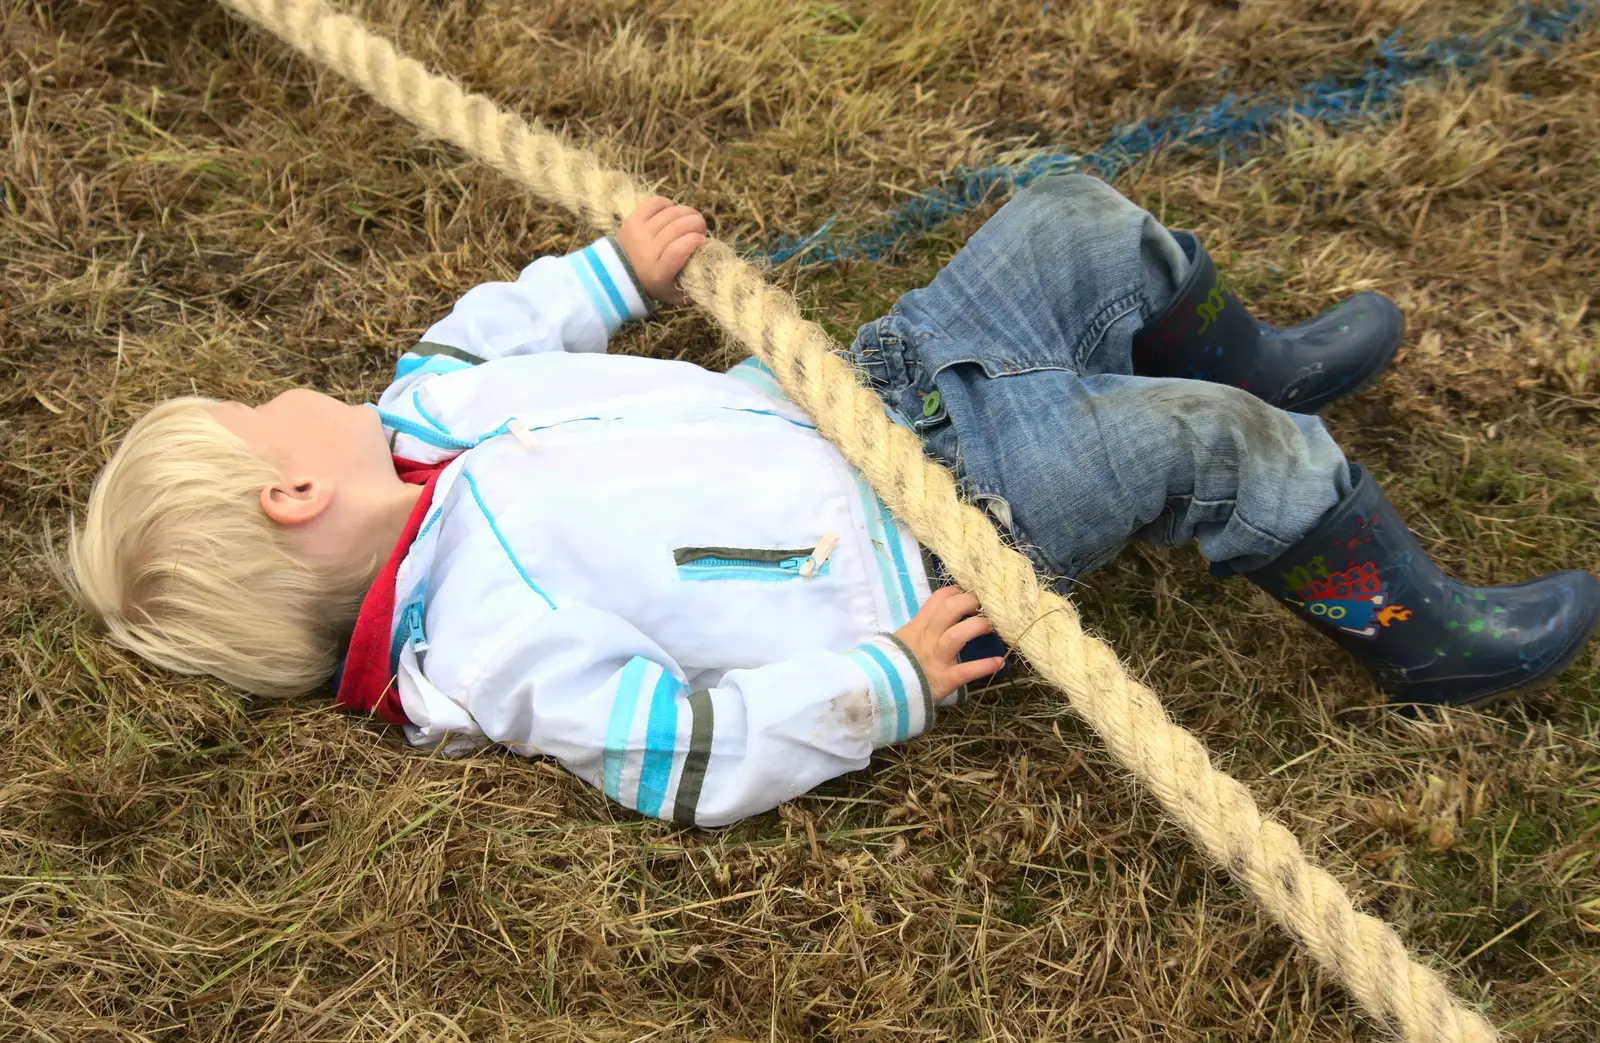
[[1363, 951]]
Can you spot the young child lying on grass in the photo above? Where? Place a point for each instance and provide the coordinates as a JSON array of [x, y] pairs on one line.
[[666, 579]]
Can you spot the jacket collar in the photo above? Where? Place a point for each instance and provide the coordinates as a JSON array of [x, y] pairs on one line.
[[365, 682]]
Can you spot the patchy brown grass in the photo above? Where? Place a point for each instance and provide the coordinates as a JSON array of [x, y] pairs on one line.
[[186, 207]]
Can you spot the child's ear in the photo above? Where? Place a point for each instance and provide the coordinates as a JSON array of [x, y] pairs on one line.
[[296, 502]]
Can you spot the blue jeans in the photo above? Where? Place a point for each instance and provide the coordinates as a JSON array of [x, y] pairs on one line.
[[1015, 367]]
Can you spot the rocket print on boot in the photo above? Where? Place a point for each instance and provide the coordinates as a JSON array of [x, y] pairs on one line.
[[1356, 600], [1459, 645]]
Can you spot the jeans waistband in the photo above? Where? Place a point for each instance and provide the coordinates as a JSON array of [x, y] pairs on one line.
[[888, 356], [884, 356]]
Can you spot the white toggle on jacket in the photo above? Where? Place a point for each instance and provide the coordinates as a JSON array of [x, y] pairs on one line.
[[661, 576]]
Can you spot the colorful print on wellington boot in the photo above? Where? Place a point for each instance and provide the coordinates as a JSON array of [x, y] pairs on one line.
[[1355, 599]]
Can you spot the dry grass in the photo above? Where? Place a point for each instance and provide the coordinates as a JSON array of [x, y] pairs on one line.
[[184, 206]]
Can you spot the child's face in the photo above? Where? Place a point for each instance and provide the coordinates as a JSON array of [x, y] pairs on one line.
[[339, 491], [306, 432]]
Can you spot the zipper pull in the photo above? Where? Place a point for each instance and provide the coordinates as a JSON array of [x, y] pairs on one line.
[[819, 555], [520, 431], [419, 640]]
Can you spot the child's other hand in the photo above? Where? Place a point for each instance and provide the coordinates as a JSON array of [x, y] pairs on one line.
[[937, 634], [658, 238]]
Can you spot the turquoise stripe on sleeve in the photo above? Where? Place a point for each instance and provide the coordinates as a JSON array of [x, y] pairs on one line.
[[621, 724], [923, 688], [411, 363], [880, 686], [902, 705], [660, 743], [597, 296], [753, 374], [898, 614], [592, 255], [891, 533], [446, 364]]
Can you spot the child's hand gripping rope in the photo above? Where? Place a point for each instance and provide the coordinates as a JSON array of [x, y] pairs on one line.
[[942, 627], [658, 238]]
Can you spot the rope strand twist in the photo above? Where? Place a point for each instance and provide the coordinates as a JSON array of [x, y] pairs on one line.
[[1362, 951]]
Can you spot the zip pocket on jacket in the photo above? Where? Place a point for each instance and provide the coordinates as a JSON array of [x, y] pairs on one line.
[[714, 563]]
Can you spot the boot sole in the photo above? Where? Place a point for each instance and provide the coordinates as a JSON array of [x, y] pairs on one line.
[[1537, 683]]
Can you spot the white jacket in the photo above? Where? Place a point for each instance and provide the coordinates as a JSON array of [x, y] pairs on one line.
[[615, 566]]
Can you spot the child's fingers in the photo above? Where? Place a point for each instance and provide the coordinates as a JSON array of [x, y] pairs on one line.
[[966, 673], [950, 610], [944, 593], [956, 638], [662, 218], [648, 209], [678, 252], [685, 224]]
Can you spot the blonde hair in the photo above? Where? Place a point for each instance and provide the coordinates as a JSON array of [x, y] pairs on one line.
[[182, 566]]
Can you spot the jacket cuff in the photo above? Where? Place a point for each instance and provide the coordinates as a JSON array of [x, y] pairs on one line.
[[609, 283], [633, 276], [902, 703]]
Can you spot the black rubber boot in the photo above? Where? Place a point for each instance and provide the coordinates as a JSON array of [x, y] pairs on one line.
[[1206, 333], [1361, 578]]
